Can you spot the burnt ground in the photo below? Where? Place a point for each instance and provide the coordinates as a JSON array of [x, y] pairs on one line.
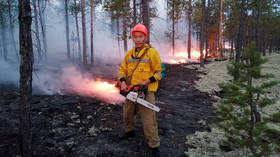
[[74, 126]]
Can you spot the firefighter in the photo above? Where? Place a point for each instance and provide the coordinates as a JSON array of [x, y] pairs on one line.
[[141, 65]]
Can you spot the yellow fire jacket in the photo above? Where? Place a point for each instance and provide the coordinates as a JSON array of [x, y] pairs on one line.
[[148, 68]]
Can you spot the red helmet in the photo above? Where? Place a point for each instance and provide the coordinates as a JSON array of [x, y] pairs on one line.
[[139, 28]]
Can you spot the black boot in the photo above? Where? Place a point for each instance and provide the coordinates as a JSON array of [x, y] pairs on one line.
[[155, 152], [127, 135]]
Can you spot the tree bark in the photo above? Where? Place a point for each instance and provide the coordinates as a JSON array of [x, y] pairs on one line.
[[134, 13], [125, 13], [26, 64], [173, 30], [91, 31], [1, 50], [12, 30], [254, 115], [118, 36], [3, 34], [202, 33], [189, 28], [259, 10], [207, 34], [240, 35], [43, 28], [231, 50], [67, 28], [220, 30], [78, 32], [124, 34], [84, 33], [37, 33], [145, 16]]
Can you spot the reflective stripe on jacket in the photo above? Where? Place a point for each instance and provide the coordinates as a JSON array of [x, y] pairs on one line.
[[150, 66]]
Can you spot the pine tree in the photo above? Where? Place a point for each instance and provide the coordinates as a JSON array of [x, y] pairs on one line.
[[75, 9], [120, 10], [239, 112], [175, 9], [26, 66], [66, 3]]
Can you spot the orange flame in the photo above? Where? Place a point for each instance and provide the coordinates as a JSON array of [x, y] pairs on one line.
[[104, 87], [84, 85], [183, 57]]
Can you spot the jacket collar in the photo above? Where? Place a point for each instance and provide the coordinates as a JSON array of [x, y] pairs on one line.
[[141, 52]]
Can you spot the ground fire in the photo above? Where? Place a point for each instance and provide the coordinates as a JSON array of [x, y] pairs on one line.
[[139, 78], [181, 57], [73, 81]]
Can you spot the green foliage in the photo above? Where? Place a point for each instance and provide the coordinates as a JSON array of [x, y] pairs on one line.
[[269, 22], [242, 102], [74, 9], [116, 7], [175, 9]]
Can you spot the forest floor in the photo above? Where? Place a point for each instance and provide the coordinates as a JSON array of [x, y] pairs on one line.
[[208, 143], [74, 126]]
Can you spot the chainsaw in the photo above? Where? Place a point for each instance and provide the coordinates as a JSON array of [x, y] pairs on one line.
[[137, 93]]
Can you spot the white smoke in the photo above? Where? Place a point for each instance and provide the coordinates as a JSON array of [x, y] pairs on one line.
[[53, 76], [9, 72], [70, 80]]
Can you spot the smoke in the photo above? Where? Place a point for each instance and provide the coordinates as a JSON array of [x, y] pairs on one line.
[[57, 75], [161, 28], [71, 80], [67, 79], [9, 73]]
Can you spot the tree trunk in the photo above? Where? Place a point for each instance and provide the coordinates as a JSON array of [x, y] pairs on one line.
[[118, 36], [189, 28], [26, 64], [124, 34], [14, 45], [84, 33], [125, 12], [1, 50], [207, 34], [202, 33], [134, 13], [43, 27], [37, 33], [240, 34], [220, 30], [270, 46], [263, 42], [3, 34], [78, 32], [67, 29], [254, 116], [206, 47], [145, 16], [259, 10], [91, 31], [173, 31], [231, 50]]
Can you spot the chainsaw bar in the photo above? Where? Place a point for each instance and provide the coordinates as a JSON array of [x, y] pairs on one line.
[[133, 96]]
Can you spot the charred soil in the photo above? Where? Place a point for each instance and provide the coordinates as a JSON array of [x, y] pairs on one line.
[[74, 126]]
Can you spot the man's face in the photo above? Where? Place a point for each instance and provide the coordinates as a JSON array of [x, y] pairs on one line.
[[139, 39]]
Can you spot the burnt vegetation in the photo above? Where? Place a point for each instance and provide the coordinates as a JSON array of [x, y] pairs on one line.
[[64, 121]]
